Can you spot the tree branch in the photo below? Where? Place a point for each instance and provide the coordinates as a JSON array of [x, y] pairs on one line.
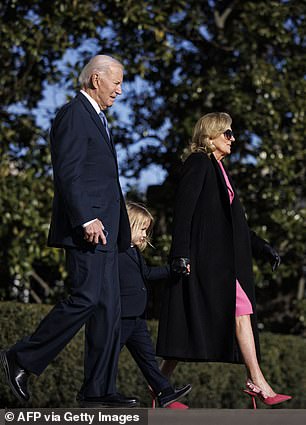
[[221, 18]]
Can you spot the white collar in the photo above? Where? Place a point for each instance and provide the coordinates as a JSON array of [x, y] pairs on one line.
[[92, 101]]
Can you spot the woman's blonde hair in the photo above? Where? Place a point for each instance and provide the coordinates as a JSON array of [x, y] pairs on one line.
[[139, 217], [208, 127]]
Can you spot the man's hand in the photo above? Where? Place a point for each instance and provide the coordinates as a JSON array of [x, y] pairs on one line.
[[272, 256], [180, 265], [93, 233]]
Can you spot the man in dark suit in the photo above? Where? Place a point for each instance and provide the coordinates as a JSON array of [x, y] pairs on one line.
[[90, 221]]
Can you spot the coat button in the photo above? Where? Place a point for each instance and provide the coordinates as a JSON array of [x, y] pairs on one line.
[[144, 289]]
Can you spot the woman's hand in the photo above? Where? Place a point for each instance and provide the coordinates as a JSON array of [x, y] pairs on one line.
[[180, 265], [272, 256]]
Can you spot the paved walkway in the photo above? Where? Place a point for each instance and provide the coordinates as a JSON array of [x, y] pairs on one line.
[[227, 417]]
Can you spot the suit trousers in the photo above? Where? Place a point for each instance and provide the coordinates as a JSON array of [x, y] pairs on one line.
[[136, 337], [94, 300]]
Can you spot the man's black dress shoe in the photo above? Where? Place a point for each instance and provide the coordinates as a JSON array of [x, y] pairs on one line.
[[170, 395], [16, 376], [111, 400]]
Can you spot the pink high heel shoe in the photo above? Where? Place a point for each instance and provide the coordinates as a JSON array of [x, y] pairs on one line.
[[255, 391]]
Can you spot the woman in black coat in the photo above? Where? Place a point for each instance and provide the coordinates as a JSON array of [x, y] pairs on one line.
[[209, 311]]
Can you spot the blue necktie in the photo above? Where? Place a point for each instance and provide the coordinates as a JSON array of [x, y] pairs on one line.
[[104, 121]]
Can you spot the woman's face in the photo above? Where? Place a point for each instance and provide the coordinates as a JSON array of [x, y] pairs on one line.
[[223, 144], [140, 235]]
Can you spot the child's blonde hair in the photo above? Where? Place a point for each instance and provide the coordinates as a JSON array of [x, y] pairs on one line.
[[139, 216]]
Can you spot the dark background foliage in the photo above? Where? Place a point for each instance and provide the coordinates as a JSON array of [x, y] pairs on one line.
[[182, 59], [215, 385]]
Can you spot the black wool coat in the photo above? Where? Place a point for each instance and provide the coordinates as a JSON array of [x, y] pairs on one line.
[[197, 320]]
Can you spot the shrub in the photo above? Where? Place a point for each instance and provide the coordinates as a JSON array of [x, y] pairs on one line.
[[215, 385]]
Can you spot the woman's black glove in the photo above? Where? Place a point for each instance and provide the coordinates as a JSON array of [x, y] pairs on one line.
[[272, 256], [180, 265]]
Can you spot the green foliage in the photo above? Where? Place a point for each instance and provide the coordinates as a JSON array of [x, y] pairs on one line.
[[25, 206], [182, 59], [60, 379], [34, 37], [245, 58], [214, 385]]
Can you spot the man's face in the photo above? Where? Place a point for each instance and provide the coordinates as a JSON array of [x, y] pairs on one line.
[[108, 86]]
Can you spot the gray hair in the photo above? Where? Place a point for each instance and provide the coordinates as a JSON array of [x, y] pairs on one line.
[[97, 64]]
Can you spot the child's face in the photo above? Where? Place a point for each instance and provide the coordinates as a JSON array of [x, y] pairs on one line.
[[141, 234]]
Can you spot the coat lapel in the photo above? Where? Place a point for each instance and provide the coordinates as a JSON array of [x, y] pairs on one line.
[[137, 260], [98, 122], [130, 253]]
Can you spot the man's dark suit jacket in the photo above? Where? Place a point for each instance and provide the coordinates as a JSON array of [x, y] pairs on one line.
[[86, 180], [133, 274]]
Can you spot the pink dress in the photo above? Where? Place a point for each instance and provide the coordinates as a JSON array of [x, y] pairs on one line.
[[243, 305]]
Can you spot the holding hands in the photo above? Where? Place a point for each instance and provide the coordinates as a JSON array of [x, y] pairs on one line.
[[181, 266]]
